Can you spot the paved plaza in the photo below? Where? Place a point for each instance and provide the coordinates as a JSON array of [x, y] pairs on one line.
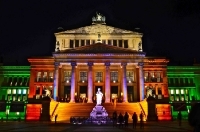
[[64, 127]]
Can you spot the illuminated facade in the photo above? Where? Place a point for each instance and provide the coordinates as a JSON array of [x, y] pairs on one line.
[[98, 56], [184, 87], [14, 87], [92, 57]]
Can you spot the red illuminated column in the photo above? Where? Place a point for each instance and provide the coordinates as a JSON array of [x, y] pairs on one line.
[[107, 82], [90, 82], [73, 64], [124, 81]]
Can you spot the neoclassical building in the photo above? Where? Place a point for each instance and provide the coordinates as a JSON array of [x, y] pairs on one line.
[[92, 57], [99, 56]]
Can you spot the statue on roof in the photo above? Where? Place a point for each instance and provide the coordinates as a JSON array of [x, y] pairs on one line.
[[99, 18]]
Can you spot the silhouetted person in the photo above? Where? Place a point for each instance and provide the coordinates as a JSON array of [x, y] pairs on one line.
[[193, 117], [56, 117], [179, 118], [135, 119], [114, 118], [126, 116], [141, 120], [121, 119]]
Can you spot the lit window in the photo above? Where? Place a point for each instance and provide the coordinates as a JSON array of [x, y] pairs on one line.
[[99, 76], [14, 91], [129, 76], [172, 91], [182, 98], [14, 98], [186, 91], [83, 76], [177, 91], [177, 98], [114, 76], [182, 91], [24, 91], [24, 98], [19, 91], [9, 91], [172, 98], [19, 98]]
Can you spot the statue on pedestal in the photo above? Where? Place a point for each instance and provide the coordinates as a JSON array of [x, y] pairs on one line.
[[99, 95]]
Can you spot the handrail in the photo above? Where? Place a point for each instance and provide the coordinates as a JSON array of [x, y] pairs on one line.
[[142, 110], [54, 110]]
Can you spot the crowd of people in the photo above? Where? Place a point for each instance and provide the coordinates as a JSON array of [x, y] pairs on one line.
[[122, 120]]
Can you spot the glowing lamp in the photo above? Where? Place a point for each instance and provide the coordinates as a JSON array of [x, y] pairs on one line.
[[98, 81], [67, 81], [129, 81], [83, 81], [114, 81]]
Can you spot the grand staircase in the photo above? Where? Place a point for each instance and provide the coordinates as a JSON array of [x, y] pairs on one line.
[[67, 110]]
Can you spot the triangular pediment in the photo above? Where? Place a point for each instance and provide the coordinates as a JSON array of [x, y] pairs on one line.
[[99, 48], [98, 28]]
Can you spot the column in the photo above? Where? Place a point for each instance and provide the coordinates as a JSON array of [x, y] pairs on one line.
[[90, 82], [107, 82], [141, 78], [124, 81], [72, 100], [55, 89]]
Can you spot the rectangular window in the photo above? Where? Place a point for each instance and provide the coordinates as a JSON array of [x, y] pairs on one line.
[[13, 91], [146, 76], [9, 98], [171, 91], [15, 81], [186, 81], [186, 98], [88, 42], [39, 76], [83, 76], [20, 81], [50, 76], [186, 91], [37, 96], [24, 98], [176, 81], [177, 91], [177, 98], [82, 42], [114, 76], [24, 91], [158, 76], [10, 81], [181, 81], [19, 98], [14, 98], [76, 43], [109, 42], [182, 98], [129, 76], [172, 98], [45, 76], [37, 90], [8, 91], [114, 42], [125, 43], [67, 76], [159, 91], [182, 91], [120, 43], [99, 76], [104, 41], [71, 43], [19, 91]]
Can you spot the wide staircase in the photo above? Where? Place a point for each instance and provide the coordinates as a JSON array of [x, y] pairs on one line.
[[67, 110]]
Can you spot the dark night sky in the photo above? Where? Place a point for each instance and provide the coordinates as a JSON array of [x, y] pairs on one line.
[[171, 27]]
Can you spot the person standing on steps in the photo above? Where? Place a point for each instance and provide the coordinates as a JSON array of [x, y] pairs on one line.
[[114, 118], [135, 119], [126, 116], [179, 118], [141, 121]]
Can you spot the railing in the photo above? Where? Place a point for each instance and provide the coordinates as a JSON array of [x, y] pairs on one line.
[[54, 111], [143, 110]]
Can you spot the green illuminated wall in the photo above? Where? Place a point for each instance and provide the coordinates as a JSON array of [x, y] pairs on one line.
[[14, 87], [184, 84]]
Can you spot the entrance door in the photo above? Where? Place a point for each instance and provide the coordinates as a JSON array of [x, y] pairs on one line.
[[67, 92], [130, 93], [83, 91], [114, 92]]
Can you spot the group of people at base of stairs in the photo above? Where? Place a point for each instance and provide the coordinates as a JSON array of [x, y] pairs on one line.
[[122, 120]]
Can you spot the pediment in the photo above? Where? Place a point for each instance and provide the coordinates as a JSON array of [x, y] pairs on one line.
[[99, 48], [98, 28]]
